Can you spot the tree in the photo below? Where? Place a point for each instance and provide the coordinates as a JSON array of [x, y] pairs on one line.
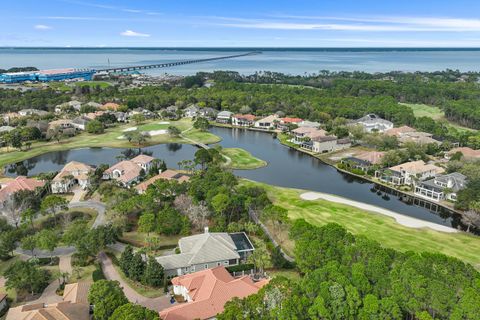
[[154, 272], [174, 131], [132, 311], [202, 157], [171, 222], [201, 124], [48, 240], [8, 239], [259, 258], [29, 214], [126, 259], [146, 223], [138, 118], [94, 126], [29, 243], [106, 296], [25, 275], [52, 204], [472, 216], [137, 267]]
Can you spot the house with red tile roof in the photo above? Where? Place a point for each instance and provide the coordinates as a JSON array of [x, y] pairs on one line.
[[206, 293], [166, 175], [284, 123], [18, 184], [110, 106], [129, 172]]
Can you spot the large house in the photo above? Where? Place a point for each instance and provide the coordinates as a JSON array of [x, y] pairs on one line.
[[73, 173], [165, 175], [208, 113], [128, 172], [407, 173], [206, 293], [443, 187], [74, 306], [373, 123], [190, 112], [365, 160], [18, 184], [284, 123], [206, 251], [111, 106], [417, 137], [323, 144], [224, 117], [267, 123], [302, 134], [397, 132], [30, 112], [81, 122], [243, 120]]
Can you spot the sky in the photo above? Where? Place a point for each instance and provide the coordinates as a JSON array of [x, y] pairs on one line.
[[240, 23]]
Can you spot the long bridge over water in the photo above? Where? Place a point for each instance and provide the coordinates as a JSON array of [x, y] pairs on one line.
[[172, 64]]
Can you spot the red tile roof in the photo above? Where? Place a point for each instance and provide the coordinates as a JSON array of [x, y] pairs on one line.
[[249, 117], [110, 106], [209, 289], [167, 175], [20, 183], [291, 120]]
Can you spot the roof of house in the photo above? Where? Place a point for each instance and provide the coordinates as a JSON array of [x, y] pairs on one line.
[[143, 159], [199, 249], [291, 120], [6, 128], [398, 131], [167, 175], [224, 114], [466, 151], [129, 170], [373, 119], [269, 118], [372, 157], [60, 122], [72, 166], [307, 123], [81, 120], [110, 106], [249, 117], [415, 167], [19, 183], [455, 181], [324, 138], [209, 290], [304, 130], [317, 133], [418, 137], [77, 292]]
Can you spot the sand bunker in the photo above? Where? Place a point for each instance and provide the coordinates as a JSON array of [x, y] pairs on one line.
[[400, 218], [130, 129], [157, 132]]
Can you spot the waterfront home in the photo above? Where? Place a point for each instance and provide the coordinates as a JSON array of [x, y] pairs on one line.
[[309, 124], [74, 306], [224, 117], [129, 172], [30, 112], [417, 137], [205, 251], [81, 122], [285, 123], [208, 113], [323, 144], [373, 123], [73, 173], [61, 124], [111, 106], [302, 134], [467, 153], [397, 132], [206, 292], [443, 187], [20, 183], [267, 123], [190, 112], [243, 120], [409, 172], [165, 175], [364, 161]]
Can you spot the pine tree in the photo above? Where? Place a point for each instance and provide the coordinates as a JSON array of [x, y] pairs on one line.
[[126, 260], [153, 273], [137, 267]]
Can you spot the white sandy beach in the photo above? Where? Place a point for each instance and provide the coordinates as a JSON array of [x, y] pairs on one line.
[[400, 218]]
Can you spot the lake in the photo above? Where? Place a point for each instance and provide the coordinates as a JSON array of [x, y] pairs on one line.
[[291, 61], [286, 168]]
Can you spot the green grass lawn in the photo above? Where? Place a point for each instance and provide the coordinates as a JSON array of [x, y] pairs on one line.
[[375, 226], [242, 159], [102, 84], [423, 110], [108, 139]]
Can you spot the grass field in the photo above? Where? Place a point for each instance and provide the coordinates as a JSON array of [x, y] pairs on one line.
[[380, 228], [242, 159], [107, 139], [423, 110]]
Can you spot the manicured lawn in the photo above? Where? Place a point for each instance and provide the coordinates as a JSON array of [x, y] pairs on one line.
[[102, 84], [242, 159], [82, 274], [108, 139], [7, 263], [153, 126], [380, 228], [423, 110], [290, 274]]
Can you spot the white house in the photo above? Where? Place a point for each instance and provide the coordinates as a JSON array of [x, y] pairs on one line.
[[407, 173], [224, 117], [128, 172], [73, 173], [372, 122], [441, 187], [267, 123], [243, 120], [190, 112]]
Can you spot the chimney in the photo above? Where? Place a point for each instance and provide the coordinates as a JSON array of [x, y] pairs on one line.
[[206, 229]]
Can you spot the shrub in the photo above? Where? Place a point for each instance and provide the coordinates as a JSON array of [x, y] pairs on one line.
[[241, 267]]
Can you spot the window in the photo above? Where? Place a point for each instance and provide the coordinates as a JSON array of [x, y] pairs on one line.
[[193, 269], [225, 263], [206, 266], [219, 264]]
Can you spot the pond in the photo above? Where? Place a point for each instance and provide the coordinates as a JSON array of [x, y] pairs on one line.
[[286, 167]]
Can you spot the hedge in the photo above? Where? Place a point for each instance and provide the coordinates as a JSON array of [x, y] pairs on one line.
[[241, 267]]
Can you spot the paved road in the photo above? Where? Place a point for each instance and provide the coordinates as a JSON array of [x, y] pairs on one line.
[[133, 296], [94, 205]]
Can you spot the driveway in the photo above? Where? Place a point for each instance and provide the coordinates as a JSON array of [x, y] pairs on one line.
[[156, 304], [94, 205], [78, 194]]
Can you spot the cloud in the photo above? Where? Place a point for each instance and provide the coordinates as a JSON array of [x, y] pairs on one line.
[[110, 7], [130, 33], [42, 27]]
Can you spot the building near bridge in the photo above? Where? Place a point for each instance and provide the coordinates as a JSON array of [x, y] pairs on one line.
[[47, 75]]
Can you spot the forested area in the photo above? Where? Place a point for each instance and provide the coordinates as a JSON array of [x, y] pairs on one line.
[[351, 277]]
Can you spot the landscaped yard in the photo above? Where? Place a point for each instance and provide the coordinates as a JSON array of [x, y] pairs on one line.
[[108, 139], [383, 229], [242, 159]]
